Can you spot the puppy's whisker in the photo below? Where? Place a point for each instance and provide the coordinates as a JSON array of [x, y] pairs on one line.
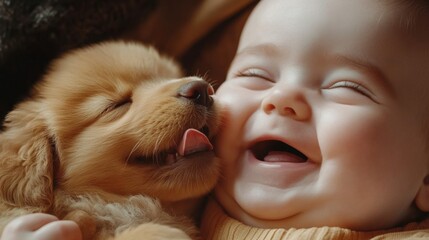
[[135, 147], [156, 150], [157, 144], [212, 82]]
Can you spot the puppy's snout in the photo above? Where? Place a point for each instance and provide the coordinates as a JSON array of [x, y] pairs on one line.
[[198, 92]]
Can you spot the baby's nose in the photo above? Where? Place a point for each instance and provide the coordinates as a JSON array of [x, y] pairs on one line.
[[198, 92]]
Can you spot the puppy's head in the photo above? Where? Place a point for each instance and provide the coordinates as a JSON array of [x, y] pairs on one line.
[[122, 120]]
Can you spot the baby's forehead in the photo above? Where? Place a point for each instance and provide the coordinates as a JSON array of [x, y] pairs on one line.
[[407, 17]]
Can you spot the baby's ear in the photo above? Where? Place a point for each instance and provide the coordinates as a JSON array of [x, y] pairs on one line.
[[26, 159], [422, 198]]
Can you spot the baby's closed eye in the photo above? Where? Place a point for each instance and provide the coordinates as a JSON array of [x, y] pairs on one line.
[[254, 78]]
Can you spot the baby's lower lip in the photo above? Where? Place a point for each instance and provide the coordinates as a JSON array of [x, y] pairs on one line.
[[273, 172]]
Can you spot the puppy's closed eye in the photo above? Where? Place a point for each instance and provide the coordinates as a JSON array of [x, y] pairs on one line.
[[120, 105], [126, 102], [116, 109]]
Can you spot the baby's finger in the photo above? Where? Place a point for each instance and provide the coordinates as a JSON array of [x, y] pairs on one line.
[[64, 230], [30, 222]]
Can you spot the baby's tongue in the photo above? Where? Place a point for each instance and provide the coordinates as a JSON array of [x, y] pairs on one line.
[[193, 141]]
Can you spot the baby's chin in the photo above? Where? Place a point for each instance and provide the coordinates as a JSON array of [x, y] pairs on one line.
[[258, 211], [253, 210], [262, 203]]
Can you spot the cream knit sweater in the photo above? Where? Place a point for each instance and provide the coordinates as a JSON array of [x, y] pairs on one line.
[[216, 225]]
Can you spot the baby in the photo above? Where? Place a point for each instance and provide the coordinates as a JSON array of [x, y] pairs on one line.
[[327, 121], [326, 131]]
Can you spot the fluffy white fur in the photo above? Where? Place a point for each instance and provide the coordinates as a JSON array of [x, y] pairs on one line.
[[90, 145]]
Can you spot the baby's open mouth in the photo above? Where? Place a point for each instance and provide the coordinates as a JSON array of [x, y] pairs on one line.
[[277, 151], [193, 141]]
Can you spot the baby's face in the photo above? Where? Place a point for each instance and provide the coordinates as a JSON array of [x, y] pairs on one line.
[[326, 106]]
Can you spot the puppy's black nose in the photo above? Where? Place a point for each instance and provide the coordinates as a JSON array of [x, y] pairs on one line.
[[198, 92]]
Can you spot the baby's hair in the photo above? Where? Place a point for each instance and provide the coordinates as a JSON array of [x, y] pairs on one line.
[[416, 5], [413, 9], [426, 125]]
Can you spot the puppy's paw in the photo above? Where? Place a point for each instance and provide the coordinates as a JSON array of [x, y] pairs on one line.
[[152, 231]]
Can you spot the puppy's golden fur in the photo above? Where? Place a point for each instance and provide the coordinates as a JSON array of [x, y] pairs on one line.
[[92, 144]]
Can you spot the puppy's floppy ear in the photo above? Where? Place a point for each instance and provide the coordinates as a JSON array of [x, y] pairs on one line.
[[26, 159]]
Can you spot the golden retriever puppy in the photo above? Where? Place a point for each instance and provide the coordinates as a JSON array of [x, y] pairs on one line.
[[109, 135]]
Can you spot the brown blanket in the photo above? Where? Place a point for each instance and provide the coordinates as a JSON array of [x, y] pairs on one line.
[[201, 34]]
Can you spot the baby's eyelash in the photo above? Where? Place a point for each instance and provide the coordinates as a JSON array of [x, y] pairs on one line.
[[253, 72], [355, 86], [247, 73]]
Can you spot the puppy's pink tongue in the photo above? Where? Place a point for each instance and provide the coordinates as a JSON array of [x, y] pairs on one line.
[[193, 141]]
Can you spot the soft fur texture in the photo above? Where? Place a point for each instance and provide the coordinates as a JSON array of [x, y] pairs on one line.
[[91, 144]]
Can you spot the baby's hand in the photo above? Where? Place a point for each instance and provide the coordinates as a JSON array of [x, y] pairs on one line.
[[40, 226]]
